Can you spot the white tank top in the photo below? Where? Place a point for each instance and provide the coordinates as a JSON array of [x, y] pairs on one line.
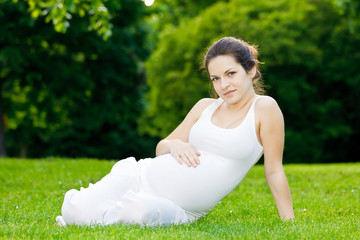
[[226, 157], [239, 144]]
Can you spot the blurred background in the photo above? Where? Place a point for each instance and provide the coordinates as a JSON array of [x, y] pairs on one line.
[[109, 78]]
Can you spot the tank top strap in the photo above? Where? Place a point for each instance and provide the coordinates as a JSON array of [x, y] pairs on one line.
[[253, 103], [208, 112], [251, 113]]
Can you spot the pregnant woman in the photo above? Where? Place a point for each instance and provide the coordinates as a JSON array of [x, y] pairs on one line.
[[202, 160]]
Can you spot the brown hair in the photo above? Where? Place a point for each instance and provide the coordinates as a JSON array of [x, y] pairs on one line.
[[244, 53]]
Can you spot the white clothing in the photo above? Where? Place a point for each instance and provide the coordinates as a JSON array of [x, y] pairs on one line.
[[226, 156], [119, 198], [160, 191]]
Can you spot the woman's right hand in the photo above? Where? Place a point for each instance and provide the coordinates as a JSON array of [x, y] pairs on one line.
[[184, 153]]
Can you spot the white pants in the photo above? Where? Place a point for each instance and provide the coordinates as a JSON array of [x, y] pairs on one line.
[[119, 198]]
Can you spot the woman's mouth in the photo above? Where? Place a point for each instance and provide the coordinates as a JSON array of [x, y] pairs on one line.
[[229, 92]]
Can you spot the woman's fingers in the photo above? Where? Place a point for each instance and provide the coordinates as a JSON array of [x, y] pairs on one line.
[[184, 158], [185, 153], [178, 158], [191, 159], [195, 157]]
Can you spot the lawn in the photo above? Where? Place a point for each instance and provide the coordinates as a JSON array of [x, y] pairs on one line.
[[326, 201]]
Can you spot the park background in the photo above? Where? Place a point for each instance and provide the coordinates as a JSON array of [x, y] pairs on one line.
[[84, 83], [108, 79]]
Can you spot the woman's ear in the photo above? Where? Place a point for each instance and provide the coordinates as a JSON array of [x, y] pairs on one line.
[[252, 72]]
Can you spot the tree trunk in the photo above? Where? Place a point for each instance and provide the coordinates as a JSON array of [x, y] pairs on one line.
[[2, 128], [23, 150]]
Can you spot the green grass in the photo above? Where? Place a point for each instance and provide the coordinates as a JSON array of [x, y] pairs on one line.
[[326, 201]]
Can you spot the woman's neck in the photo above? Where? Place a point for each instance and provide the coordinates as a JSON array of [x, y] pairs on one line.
[[244, 101]]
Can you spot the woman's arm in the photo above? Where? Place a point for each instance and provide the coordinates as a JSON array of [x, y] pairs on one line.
[[272, 139], [177, 143]]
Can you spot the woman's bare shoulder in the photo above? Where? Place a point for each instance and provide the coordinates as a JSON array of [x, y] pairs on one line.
[[205, 102], [266, 103], [267, 108], [200, 106]]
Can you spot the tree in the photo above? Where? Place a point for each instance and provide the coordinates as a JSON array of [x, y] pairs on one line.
[[296, 40], [72, 93], [60, 13], [2, 129], [170, 13], [164, 15]]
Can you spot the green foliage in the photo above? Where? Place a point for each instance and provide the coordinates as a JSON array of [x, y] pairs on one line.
[[310, 56], [169, 13], [325, 200], [73, 94], [165, 15], [60, 13], [350, 9]]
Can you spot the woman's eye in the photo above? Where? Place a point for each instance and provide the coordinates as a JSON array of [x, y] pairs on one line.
[[231, 73], [214, 79]]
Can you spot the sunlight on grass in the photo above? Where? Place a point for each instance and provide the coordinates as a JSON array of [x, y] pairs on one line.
[[325, 198]]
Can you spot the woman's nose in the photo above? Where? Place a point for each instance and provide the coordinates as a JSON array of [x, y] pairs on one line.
[[224, 83]]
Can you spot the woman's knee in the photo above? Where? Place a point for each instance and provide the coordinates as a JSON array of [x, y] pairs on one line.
[[74, 210], [162, 212], [137, 208]]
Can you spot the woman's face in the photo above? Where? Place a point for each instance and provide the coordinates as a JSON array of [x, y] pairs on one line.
[[230, 80]]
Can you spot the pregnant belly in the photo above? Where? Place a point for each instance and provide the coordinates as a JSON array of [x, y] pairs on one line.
[[193, 189]]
